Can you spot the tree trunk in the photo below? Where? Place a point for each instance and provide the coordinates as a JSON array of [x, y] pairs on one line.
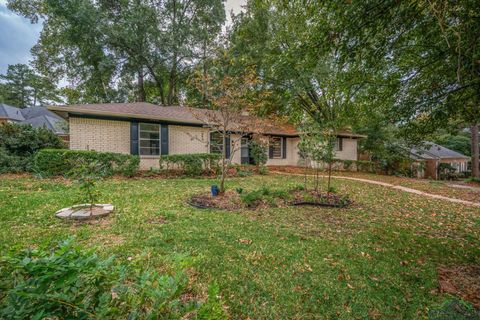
[[475, 151], [224, 163], [172, 84], [141, 88], [158, 81], [329, 177]]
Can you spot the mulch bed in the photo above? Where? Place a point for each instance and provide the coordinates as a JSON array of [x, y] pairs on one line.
[[231, 200], [228, 201], [321, 199], [461, 281]]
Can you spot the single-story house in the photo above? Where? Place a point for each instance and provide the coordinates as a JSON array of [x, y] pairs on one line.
[[431, 155], [150, 130], [36, 117]]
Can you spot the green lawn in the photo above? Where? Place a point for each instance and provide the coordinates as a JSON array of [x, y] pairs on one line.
[[376, 259]]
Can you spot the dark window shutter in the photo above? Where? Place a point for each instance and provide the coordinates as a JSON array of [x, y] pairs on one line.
[[340, 144], [164, 139], [284, 145], [270, 150], [227, 147], [133, 137]]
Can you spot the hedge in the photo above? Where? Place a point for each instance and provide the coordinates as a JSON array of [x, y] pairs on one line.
[[192, 164], [19, 143], [52, 162]]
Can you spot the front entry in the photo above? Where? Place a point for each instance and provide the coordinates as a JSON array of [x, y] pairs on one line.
[[244, 151]]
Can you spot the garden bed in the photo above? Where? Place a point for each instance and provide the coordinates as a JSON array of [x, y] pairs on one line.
[[266, 198], [322, 199]]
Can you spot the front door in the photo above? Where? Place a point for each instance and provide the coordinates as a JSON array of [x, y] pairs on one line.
[[244, 153]]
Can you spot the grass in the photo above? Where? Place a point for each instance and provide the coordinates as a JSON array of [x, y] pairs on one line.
[[375, 259]]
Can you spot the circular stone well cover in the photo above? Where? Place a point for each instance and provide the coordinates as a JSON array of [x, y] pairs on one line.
[[82, 211]]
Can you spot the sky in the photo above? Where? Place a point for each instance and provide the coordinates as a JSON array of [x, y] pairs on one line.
[[18, 35]]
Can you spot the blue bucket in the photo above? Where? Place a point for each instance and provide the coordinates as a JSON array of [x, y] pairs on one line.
[[214, 189]]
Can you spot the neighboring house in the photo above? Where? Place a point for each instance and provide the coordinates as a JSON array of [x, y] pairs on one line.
[[150, 131], [36, 117], [431, 155]]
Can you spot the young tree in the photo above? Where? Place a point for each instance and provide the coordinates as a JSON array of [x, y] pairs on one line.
[[87, 174], [318, 146], [230, 99]]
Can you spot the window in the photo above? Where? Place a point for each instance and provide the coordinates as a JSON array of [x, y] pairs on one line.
[[339, 144], [276, 146], [149, 139], [216, 142]]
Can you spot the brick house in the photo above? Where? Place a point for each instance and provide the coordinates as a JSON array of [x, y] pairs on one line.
[[149, 131], [431, 155]]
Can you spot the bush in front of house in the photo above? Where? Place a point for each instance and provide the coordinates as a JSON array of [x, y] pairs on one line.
[[53, 162], [192, 164], [67, 282], [19, 143], [258, 152]]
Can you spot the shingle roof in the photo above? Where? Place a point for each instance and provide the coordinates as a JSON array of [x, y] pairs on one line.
[[434, 151], [177, 114], [34, 112], [54, 124], [11, 113], [34, 116]]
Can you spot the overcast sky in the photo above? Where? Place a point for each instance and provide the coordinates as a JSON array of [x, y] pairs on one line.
[[18, 35]]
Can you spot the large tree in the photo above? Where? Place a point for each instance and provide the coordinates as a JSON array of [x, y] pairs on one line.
[[420, 59], [21, 87], [99, 45]]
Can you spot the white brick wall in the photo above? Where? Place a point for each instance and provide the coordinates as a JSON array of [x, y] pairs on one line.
[[114, 136], [99, 135], [349, 150], [292, 155], [183, 139]]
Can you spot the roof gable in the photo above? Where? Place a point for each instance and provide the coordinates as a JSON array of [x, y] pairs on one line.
[[435, 151], [11, 113]]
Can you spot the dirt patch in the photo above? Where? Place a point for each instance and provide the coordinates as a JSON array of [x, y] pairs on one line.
[[461, 281], [157, 220], [319, 199], [230, 200]]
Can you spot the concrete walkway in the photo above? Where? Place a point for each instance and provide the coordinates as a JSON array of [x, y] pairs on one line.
[[389, 185]]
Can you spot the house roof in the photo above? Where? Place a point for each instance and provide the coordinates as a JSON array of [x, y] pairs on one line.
[[174, 114], [34, 116], [54, 124], [435, 151], [10, 113]]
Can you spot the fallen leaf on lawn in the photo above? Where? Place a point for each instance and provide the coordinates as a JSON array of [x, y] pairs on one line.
[[245, 241]]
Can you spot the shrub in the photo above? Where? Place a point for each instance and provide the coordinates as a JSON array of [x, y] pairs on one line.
[[263, 170], [50, 162], [366, 166], [263, 194], [69, 283], [18, 144], [258, 152], [347, 164], [242, 171], [191, 164]]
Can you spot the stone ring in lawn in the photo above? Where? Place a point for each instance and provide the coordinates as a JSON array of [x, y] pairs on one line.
[[85, 211]]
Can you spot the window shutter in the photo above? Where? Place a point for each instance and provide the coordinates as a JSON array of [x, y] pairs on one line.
[[133, 137], [164, 139], [284, 145], [270, 150], [340, 144], [227, 147]]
